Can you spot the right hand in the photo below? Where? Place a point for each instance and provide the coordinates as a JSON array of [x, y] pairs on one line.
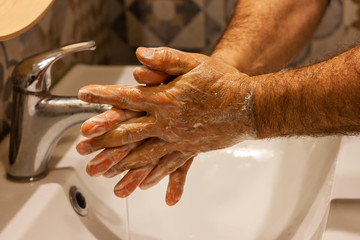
[[175, 164], [173, 110]]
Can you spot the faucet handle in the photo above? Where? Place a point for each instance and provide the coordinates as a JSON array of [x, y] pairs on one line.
[[33, 74]]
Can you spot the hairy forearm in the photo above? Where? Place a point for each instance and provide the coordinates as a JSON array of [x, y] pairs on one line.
[[321, 99], [263, 36]]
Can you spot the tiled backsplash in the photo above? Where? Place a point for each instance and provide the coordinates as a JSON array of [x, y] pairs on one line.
[[119, 26], [191, 25], [67, 21]]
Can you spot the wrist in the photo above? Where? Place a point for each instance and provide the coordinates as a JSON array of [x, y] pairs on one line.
[[241, 61], [228, 56], [244, 105], [234, 58]]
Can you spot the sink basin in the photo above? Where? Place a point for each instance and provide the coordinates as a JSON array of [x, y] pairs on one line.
[[269, 189], [42, 209], [278, 189], [344, 219], [344, 215]]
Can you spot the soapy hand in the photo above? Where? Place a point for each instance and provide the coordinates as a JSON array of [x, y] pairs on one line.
[[207, 107], [175, 164]]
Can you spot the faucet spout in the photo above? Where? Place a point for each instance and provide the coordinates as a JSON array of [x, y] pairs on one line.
[[71, 108], [39, 119], [39, 129]]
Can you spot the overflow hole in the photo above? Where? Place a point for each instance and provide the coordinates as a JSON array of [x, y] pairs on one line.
[[78, 201]]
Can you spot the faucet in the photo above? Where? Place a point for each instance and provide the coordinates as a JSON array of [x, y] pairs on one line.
[[39, 119]]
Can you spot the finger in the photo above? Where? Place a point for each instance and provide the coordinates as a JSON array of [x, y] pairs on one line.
[[149, 152], [108, 158], [168, 60], [176, 184], [166, 166], [106, 121], [131, 180], [121, 97], [129, 132], [149, 77]]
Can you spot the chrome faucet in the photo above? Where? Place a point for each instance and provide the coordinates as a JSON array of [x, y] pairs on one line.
[[39, 119]]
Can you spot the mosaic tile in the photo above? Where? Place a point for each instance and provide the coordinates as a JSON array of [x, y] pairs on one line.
[[331, 21], [6, 67], [229, 7], [192, 36], [121, 2], [215, 10], [66, 22], [356, 22], [119, 26], [164, 18], [213, 31], [2, 76], [4, 128]]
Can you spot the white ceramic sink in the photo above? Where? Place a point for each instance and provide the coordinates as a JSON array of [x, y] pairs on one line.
[[277, 189], [344, 220], [344, 216], [42, 209], [270, 189]]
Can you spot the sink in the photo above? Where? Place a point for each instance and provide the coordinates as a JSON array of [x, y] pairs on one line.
[[42, 209], [268, 189], [344, 219], [278, 189], [344, 215]]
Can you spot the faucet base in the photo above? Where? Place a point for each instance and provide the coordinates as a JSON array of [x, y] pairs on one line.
[[26, 179]]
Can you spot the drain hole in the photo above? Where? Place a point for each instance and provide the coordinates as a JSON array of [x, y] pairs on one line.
[[78, 201]]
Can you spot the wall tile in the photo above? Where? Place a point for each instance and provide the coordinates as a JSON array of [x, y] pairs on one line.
[[191, 25], [67, 21], [119, 26]]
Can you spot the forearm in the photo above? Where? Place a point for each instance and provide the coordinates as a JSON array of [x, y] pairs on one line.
[[264, 36], [321, 99]]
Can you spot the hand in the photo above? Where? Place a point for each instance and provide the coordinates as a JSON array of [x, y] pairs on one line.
[[209, 107], [175, 164], [109, 120]]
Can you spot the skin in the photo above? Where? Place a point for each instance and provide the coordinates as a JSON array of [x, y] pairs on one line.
[[214, 105], [322, 99], [171, 109], [262, 37]]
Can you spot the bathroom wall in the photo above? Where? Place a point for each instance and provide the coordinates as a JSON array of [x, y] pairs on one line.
[[67, 21], [191, 25], [119, 26]]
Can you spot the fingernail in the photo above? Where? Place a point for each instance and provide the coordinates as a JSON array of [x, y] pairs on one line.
[[124, 189], [110, 173], [84, 148], [84, 94], [147, 53], [173, 195], [120, 192], [148, 183], [96, 169], [95, 131]]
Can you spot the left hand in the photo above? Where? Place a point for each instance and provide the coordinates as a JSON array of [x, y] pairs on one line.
[[175, 164], [199, 111]]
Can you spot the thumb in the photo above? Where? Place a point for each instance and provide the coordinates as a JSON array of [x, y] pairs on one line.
[[169, 60]]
